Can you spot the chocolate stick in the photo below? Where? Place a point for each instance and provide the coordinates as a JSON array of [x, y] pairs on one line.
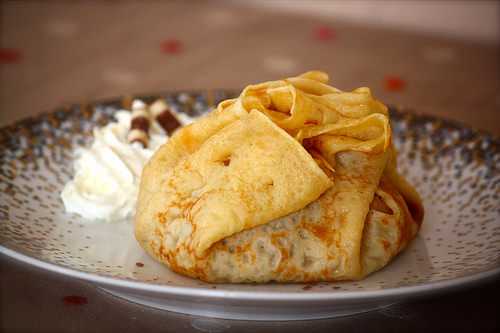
[[139, 124], [163, 115]]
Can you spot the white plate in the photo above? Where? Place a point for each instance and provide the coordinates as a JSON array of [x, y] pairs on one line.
[[454, 168]]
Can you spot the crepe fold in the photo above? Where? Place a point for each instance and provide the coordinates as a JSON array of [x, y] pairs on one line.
[[293, 181]]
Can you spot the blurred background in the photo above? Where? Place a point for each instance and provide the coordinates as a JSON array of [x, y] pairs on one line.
[[436, 57]]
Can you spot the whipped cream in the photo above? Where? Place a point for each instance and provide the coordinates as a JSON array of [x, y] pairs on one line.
[[107, 174]]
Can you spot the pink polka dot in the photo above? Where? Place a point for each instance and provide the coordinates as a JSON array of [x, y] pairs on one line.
[[10, 56], [324, 33], [394, 83], [171, 46]]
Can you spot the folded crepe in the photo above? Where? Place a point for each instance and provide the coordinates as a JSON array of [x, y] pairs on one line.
[[293, 181]]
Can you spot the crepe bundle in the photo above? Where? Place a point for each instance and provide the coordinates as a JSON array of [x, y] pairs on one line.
[[293, 181]]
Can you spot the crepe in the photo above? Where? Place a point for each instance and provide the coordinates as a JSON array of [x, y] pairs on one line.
[[293, 181]]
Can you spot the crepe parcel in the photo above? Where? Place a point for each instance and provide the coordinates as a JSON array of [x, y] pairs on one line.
[[293, 181]]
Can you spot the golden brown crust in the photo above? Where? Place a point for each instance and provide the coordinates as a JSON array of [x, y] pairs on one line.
[[205, 216]]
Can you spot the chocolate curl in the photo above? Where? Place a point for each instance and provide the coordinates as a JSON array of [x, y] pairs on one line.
[[163, 115], [139, 124]]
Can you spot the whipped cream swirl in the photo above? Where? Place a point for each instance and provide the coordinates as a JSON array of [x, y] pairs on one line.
[[107, 174]]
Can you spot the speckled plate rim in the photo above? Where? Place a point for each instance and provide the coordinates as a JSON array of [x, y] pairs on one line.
[[420, 290], [408, 291]]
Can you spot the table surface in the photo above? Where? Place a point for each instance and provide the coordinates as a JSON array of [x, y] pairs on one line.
[[87, 50], [58, 53]]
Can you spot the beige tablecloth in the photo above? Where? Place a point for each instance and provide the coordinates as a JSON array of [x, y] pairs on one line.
[[74, 52]]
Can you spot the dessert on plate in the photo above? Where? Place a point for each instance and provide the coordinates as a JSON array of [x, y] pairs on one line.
[[293, 181]]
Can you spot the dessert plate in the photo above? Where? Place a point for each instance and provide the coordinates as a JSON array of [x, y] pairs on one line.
[[454, 168]]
